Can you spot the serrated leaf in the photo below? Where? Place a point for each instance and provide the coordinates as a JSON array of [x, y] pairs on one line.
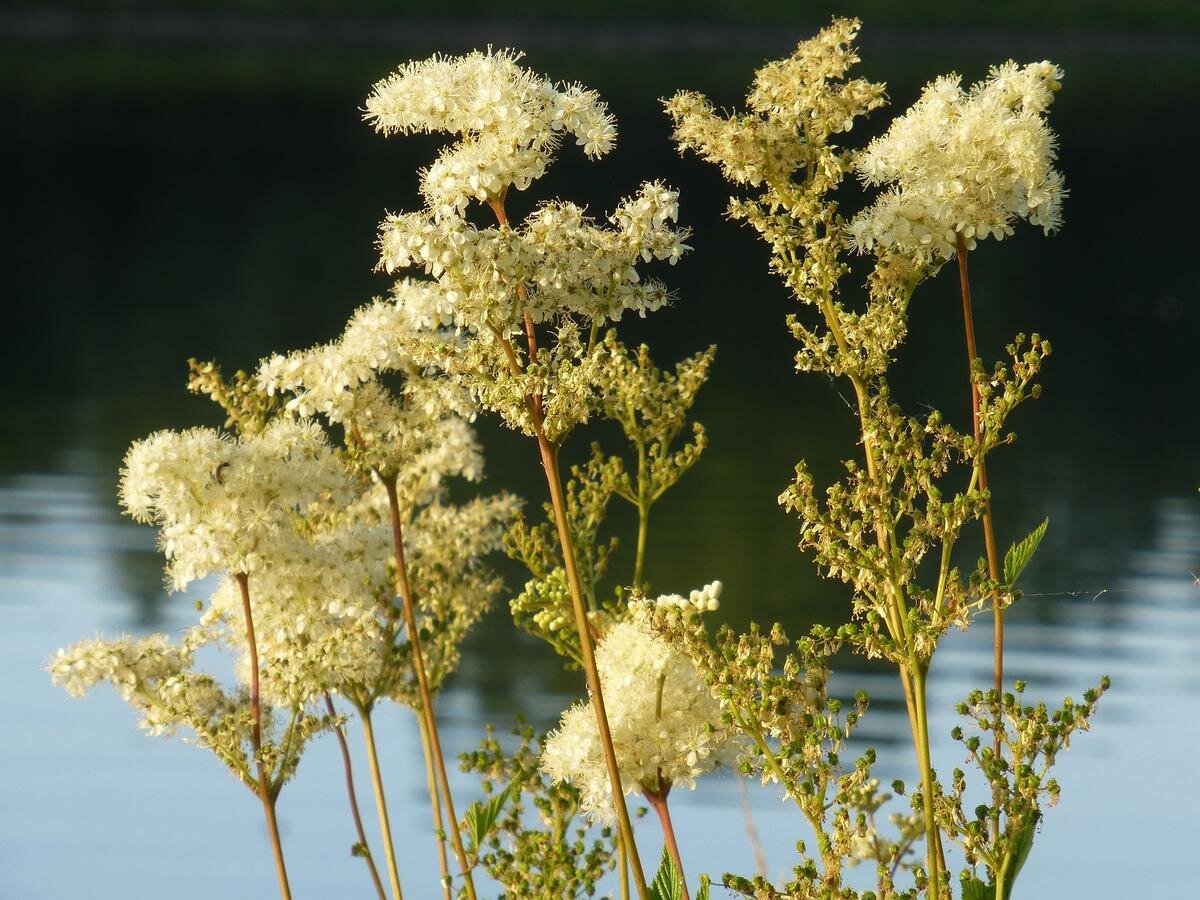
[[1020, 553], [481, 817], [1022, 843], [668, 884], [974, 889]]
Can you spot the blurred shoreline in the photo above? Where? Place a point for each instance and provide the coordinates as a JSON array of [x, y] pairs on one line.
[[224, 28]]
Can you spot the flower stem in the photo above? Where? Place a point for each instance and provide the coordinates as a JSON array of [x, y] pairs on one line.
[[932, 842], [352, 795], [623, 863], [550, 463], [912, 676], [264, 782], [404, 590], [549, 455], [435, 805], [658, 800], [989, 533], [385, 825], [643, 507]]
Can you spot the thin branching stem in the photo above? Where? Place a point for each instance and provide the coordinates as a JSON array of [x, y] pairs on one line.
[[352, 796], [549, 456], [408, 602], [435, 804], [989, 533], [912, 676], [265, 793], [658, 800], [385, 825]]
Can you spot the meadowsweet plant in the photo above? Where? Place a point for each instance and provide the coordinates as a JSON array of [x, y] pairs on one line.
[[528, 305], [338, 513], [959, 167]]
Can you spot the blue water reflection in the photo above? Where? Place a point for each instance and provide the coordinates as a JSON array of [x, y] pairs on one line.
[[93, 808]]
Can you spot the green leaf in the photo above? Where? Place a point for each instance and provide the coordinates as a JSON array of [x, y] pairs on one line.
[[668, 885], [1022, 843], [974, 889], [1020, 553], [705, 884], [481, 817]]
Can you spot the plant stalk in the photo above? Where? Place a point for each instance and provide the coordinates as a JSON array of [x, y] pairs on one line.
[[549, 455], [932, 846], [352, 795], [385, 825], [989, 533], [658, 800], [435, 742], [643, 507], [912, 678], [623, 863], [436, 806], [264, 781]]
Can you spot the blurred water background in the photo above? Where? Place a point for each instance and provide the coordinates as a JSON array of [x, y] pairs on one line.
[[195, 180]]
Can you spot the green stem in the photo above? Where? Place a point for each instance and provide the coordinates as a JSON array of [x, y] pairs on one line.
[[408, 601], [385, 825], [265, 794], [352, 795], [583, 627], [932, 849], [623, 862], [897, 611], [643, 506], [439, 830], [989, 533], [643, 529]]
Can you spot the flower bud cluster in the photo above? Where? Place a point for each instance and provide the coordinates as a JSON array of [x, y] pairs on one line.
[[705, 599]]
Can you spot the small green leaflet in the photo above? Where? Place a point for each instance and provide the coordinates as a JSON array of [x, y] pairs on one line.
[[705, 883], [974, 889], [481, 817], [668, 885], [1022, 844], [1020, 553]]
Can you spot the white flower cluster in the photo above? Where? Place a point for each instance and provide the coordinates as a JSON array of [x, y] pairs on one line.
[[965, 163], [666, 726], [226, 504], [153, 675], [318, 618], [323, 379], [421, 435], [559, 259], [510, 120]]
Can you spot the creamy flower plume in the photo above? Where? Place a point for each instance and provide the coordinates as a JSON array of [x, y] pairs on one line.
[[666, 726], [326, 621], [510, 120], [964, 163], [559, 261], [226, 504]]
